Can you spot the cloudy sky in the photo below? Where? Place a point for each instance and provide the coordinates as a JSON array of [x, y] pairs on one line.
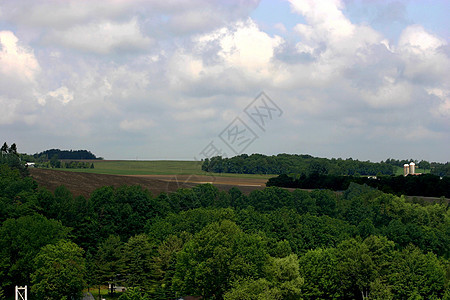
[[152, 79]]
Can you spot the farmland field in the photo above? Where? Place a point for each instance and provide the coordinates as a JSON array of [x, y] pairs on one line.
[[136, 167], [156, 167], [156, 176]]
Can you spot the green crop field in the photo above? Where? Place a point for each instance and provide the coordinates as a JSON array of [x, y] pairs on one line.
[[155, 167], [137, 167], [399, 171]]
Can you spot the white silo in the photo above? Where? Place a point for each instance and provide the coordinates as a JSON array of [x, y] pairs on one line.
[[405, 169], [412, 167]]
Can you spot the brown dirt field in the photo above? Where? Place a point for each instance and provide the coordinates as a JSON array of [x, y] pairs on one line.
[[85, 183]]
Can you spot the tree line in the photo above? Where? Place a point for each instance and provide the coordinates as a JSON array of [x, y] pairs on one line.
[[293, 163], [270, 244], [420, 185], [54, 162], [62, 154], [303, 164], [436, 168], [10, 157]]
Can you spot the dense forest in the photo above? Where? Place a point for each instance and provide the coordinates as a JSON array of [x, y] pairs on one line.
[[421, 185], [306, 165], [64, 154], [293, 163], [270, 244]]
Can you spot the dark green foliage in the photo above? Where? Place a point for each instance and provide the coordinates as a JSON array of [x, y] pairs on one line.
[[282, 281], [11, 158], [17, 194], [108, 261], [421, 185], [440, 169], [319, 269], [164, 265], [137, 262], [66, 154], [20, 241], [134, 294], [77, 165], [293, 163], [216, 257], [55, 162], [415, 273], [191, 221], [124, 210], [59, 272]]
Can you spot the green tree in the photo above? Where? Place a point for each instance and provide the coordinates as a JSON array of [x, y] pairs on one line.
[[20, 241], [260, 289], [285, 276], [137, 259], [108, 261], [54, 161], [13, 149], [17, 194], [4, 149], [413, 273], [319, 268], [380, 290], [356, 268], [365, 228], [59, 272], [216, 257], [134, 294], [282, 281], [164, 263]]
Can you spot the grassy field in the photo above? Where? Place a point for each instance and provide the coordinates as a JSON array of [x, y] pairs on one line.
[[155, 167]]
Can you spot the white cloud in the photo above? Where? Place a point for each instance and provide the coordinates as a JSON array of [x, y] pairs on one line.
[[418, 41], [104, 37], [247, 47], [17, 60], [136, 125], [325, 17], [194, 115], [108, 71], [390, 94], [424, 60], [61, 94], [63, 14], [231, 57], [19, 73], [443, 109]]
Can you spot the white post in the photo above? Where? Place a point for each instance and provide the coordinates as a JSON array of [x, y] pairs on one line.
[[21, 293]]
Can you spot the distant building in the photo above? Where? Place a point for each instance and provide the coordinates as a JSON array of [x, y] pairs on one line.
[[30, 164], [410, 169]]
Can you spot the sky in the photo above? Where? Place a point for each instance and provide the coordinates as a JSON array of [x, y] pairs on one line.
[[177, 79]]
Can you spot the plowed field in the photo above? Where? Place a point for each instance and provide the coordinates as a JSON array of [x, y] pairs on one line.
[[85, 183]]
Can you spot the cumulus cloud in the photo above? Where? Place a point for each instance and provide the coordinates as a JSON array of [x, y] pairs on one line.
[[136, 125], [231, 58], [161, 73], [61, 94], [16, 60], [103, 37], [19, 70]]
